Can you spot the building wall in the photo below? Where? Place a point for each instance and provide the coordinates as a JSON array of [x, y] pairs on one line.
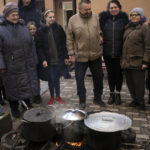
[[2, 4], [97, 6], [127, 6], [49, 4]]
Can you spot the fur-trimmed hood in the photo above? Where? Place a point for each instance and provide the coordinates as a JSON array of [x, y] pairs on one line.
[[103, 16], [31, 5]]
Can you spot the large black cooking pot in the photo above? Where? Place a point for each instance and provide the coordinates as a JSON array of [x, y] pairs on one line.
[[73, 125], [39, 124], [103, 130]]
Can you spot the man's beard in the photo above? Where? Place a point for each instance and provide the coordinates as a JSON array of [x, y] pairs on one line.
[[86, 15]]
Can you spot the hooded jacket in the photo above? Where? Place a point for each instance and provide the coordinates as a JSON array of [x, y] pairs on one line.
[[29, 13], [113, 29], [136, 47], [18, 58]]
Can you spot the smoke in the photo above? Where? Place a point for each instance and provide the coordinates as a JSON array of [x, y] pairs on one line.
[[67, 126]]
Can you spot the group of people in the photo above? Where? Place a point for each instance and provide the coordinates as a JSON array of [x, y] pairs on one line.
[[125, 47], [31, 50]]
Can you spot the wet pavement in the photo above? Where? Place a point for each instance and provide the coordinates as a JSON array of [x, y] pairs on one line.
[[141, 119]]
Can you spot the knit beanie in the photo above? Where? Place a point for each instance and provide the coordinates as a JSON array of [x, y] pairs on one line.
[[140, 11], [9, 8]]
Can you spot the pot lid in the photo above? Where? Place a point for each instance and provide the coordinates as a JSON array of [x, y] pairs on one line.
[[108, 122], [73, 115], [39, 114]]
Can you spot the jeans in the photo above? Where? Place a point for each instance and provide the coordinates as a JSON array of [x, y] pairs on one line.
[[97, 74], [54, 79], [115, 77]]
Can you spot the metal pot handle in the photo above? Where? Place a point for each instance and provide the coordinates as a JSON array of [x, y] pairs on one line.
[[109, 119], [25, 121]]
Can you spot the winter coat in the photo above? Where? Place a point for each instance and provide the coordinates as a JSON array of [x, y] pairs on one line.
[[1, 82], [42, 46], [19, 59], [113, 29], [29, 13], [136, 47], [83, 38]]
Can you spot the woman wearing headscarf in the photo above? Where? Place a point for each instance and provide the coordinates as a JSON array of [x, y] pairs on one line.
[[113, 22], [136, 56], [17, 59]]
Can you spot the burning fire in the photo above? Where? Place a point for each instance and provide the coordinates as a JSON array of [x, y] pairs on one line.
[[79, 144], [57, 144]]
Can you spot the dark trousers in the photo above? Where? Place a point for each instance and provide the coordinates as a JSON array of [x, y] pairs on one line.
[[115, 77], [136, 84], [54, 79], [148, 79], [97, 74]]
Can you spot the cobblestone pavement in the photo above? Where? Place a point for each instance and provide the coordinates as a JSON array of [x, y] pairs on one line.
[[141, 119]]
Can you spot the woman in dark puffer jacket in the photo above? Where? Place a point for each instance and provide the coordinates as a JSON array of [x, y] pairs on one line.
[[113, 22], [17, 59]]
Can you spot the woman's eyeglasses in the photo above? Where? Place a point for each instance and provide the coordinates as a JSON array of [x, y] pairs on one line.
[[134, 15]]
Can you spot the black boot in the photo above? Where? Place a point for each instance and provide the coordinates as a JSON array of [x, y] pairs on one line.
[[111, 99], [82, 101], [141, 106], [37, 99], [14, 109], [118, 99], [134, 103], [82, 105], [99, 101]]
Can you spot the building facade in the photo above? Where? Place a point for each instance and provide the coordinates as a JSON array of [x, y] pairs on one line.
[[64, 8]]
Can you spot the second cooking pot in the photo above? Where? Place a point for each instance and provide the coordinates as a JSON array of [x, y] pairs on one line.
[[73, 126], [104, 130], [39, 124]]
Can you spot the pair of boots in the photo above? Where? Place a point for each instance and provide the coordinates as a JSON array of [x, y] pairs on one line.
[[139, 105], [2, 93], [114, 98]]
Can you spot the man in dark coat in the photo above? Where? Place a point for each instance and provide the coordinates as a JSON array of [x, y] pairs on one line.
[[18, 59], [28, 11]]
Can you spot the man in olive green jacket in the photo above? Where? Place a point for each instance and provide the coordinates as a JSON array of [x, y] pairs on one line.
[[84, 48]]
